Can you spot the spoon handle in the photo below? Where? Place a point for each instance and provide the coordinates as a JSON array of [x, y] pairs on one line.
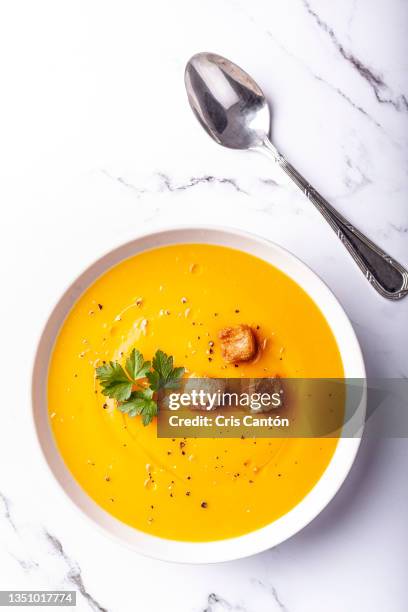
[[385, 274]]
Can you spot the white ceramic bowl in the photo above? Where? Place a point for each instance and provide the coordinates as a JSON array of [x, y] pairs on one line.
[[315, 500]]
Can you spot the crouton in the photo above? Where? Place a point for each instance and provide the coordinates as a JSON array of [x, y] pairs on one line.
[[238, 343]]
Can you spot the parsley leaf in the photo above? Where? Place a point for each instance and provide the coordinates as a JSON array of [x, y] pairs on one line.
[[114, 381], [140, 402], [164, 375], [136, 366]]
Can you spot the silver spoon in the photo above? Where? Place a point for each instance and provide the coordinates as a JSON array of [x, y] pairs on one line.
[[234, 112]]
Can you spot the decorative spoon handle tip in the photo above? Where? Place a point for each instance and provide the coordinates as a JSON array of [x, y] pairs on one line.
[[385, 274]]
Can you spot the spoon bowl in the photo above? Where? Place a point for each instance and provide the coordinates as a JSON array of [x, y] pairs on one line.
[[227, 102]]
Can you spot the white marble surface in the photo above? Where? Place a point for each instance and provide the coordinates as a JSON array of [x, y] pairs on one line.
[[97, 144]]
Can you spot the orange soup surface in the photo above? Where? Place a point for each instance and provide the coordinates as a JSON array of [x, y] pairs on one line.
[[177, 298]]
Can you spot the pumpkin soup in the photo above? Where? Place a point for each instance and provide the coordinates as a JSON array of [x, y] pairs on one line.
[[200, 304]]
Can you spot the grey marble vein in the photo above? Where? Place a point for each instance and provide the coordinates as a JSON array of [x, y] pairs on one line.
[[74, 572], [379, 87], [271, 589], [119, 179], [6, 511], [269, 182], [347, 98], [401, 229], [25, 563], [167, 184], [219, 604], [194, 181], [355, 184]]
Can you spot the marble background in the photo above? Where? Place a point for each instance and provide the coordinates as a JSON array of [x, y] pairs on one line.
[[97, 144]]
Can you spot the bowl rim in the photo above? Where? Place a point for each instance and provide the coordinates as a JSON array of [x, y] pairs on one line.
[[149, 545]]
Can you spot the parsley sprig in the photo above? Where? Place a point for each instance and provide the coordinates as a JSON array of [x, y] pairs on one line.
[[119, 383]]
